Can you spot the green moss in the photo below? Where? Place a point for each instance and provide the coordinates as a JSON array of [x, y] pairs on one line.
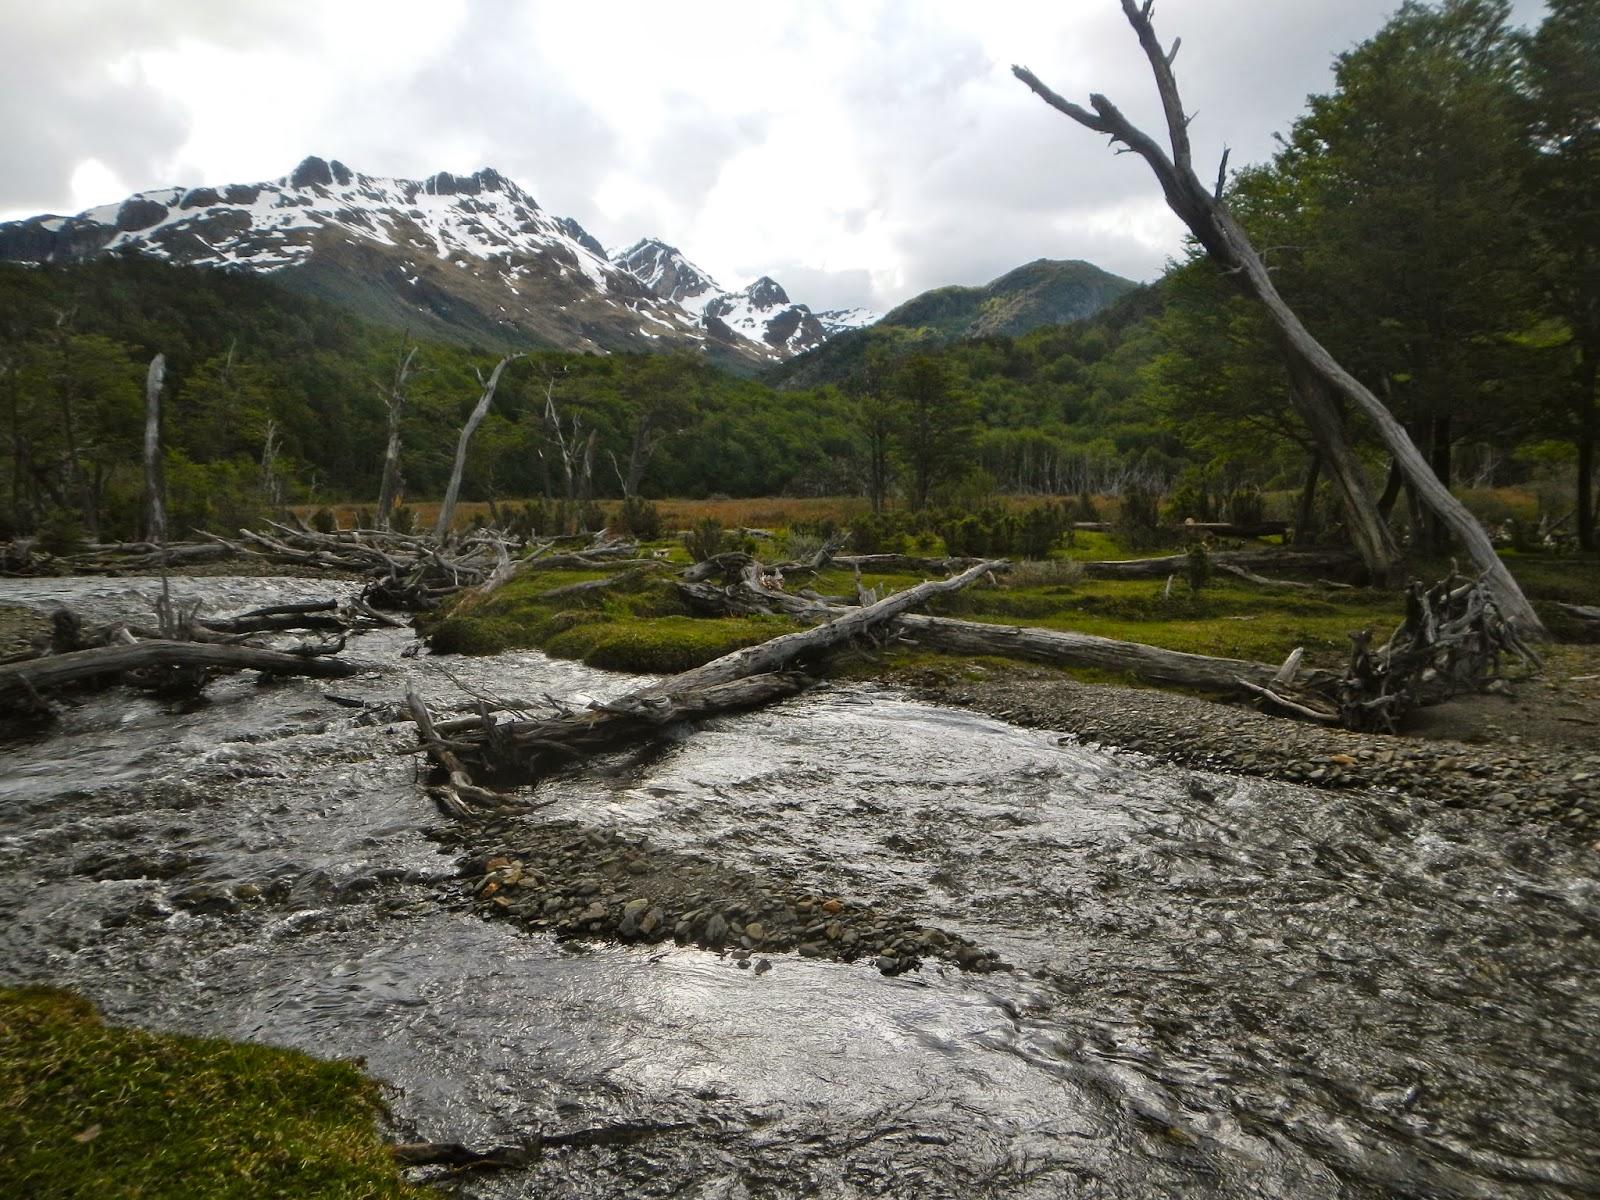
[[92, 1110], [643, 625], [661, 645]]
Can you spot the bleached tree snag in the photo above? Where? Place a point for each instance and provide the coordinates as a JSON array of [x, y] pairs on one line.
[[575, 453], [447, 510], [20, 682], [155, 515], [1316, 376], [395, 402], [746, 678], [458, 793]]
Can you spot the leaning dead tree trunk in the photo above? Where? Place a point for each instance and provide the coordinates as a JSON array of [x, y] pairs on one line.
[[155, 516], [1316, 376], [754, 675], [447, 510], [395, 402]]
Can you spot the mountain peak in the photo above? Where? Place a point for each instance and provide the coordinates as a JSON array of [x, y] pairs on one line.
[[766, 293], [465, 256], [665, 271]]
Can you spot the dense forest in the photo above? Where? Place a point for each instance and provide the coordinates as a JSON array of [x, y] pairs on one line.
[[1435, 217]]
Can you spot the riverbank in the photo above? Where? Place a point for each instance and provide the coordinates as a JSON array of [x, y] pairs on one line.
[[1531, 752], [91, 1109]]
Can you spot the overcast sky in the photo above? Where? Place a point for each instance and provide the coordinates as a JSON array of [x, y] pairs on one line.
[[859, 151]]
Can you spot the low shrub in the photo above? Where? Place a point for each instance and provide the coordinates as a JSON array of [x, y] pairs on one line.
[[639, 519], [704, 540]]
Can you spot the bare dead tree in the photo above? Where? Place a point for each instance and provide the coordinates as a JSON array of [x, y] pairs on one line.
[[447, 510], [271, 484], [647, 438], [1317, 380], [395, 401], [155, 515], [574, 450]]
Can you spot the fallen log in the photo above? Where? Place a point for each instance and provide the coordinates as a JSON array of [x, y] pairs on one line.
[[1152, 664], [1172, 668], [745, 678], [1250, 560], [898, 564], [1452, 640], [521, 748], [1250, 576], [25, 681]]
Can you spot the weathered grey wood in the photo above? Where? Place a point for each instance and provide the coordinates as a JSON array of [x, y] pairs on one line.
[[155, 513], [1054, 647], [447, 510], [780, 652], [19, 681], [395, 402], [1152, 664], [745, 678], [894, 564], [1316, 377], [1174, 564]]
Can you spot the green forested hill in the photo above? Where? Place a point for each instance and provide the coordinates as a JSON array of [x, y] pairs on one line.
[[1040, 294]]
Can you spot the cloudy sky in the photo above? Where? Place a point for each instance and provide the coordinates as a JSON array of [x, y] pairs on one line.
[[859, 151]]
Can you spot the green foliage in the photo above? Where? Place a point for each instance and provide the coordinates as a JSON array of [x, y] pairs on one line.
[[1139, 517], [994, 531], [880, 533], [89, 1109], [640, 519], [705, 540], [62, 533], [1246, 505], [1040, 528], [1197, 567]]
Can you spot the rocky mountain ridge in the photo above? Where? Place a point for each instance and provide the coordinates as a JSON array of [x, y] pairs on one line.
[[469, 258], [761, 312]]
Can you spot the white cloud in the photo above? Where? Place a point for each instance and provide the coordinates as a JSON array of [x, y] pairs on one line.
[[871, 149]]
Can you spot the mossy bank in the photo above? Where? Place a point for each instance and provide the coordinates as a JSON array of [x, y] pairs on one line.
[[89, 1109]]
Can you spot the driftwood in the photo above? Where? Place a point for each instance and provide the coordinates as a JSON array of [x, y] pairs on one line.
[[745, 678], [1319, 383], [1259, 580], [1452, 640], [1175, 564], [1150, 663], [26, 681]]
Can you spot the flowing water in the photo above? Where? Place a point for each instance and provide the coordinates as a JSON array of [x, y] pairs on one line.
[[1222, 987]]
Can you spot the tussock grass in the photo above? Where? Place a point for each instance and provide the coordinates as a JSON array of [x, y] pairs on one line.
[[92, 1110]]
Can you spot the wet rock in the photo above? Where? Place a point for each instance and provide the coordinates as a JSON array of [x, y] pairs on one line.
[[716, 930], [205, 898], [632, 913]]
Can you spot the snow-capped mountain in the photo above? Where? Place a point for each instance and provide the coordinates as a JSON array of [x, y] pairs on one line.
[[470, 258], [761, 313]]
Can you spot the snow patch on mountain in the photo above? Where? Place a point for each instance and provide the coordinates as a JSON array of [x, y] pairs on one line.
[[761, 313]]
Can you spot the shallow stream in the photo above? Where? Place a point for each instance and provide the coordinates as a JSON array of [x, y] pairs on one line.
[[1222, 987]]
